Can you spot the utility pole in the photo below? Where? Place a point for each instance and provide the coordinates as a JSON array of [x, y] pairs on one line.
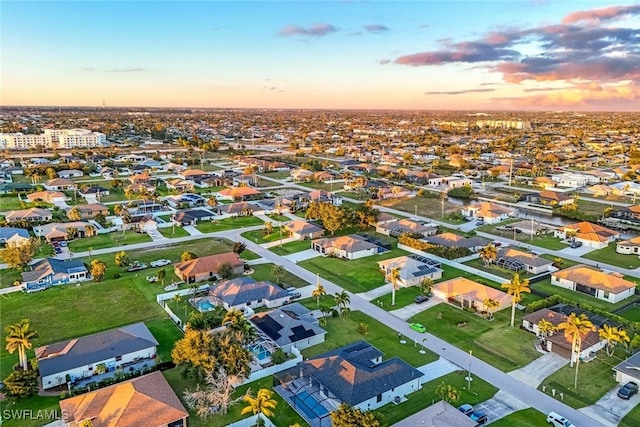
[[510, 172]]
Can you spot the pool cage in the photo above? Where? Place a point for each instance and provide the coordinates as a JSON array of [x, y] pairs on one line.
[[262, 347], [510, 264]]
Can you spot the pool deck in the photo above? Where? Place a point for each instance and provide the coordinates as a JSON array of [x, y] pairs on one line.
[[329, 405]]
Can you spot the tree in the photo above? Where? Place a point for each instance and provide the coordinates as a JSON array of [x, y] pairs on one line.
[[21, 384], [196, 348], [117, 209], [98, 270], [393, 277], [576, 328], [426, 285], [162, 274], [342, 302], [262, 404], [51, 173], [447, 392], [225, 270], [277, 271], [347, 416], [74, 214], [212, 202], [490, 305], [613, 336], [515, 288], [268, 227], [319, 291], [488, 254], [90, 230], [72, 233], [187, 256], [239, 247], [122, 259], [18, 255], [216, 397], [233, 316], [546, 328], [19, 336]]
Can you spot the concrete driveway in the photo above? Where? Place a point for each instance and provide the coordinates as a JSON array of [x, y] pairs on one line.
[[302, 255], [500, 405], [610, 409], [412, 309], [535, 372]]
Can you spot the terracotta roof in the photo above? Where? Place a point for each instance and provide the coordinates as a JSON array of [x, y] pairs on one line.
[[142, 401], [59, 181], [595, 278], [239, 191], [45, 195], [207, 264], [190, 172], [634, 241], [28, 213], [346, 243], [301, 226], [589, 231], [472, 290]]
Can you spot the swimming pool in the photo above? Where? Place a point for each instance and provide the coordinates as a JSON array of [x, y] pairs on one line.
[[260, 352], [205, 305], [309, 405]]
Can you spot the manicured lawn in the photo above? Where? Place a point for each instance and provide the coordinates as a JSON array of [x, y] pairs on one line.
[[632, 313], [167, 333], [426, 396], [263, 272], [229, 224], [12, 203], [277, 175], [291, 247], [494, 341], [284, 414], [595, 378], [312, 303], [279, 218], [172, 233], [182, 308], [548, 242], [609, 255], [108, 240], [548, 288], [322, 185], [525, 418], [258, 236], [566, 263], [33, 404], [404, 297], [358, 275], [632, 419], [341, 332], [428, 207]]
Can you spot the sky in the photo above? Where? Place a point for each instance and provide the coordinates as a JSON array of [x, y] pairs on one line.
[[428, 55]]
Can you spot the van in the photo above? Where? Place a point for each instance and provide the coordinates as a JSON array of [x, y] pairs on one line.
[[557, 420]]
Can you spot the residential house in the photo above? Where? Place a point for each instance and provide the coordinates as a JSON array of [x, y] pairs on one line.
[[140, 187], [194, 174], [397, 227], [610, 287], [12, 234], [549, 198], [574, 180], [189, 199], [29, 215], [630, 246], [488, 212], [239, 194], [347, 247], [142, 178], [70, 173], [54, 272], [517, 260], [470, 294], [58, 231], [303, 230], [59, 184], [439, 414], [544, 182], [206, 267], [139, 207], [324, 196], [90, 210], [78, 358], [392, 192], [413, 269], [15, 187], [47, 196], [94, 190], [301, 175], [243, 292], [179, 184], [237, 209], [591, 235], [192, 216], [452, 240], [630, 214], [627, 370], [290, 326]]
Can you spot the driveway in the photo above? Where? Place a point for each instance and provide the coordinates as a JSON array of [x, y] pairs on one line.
[[192, 230], [576, 251], [437, 369], [302, 255], [610, 409], [412, 309], [500, 405], [535, 372]]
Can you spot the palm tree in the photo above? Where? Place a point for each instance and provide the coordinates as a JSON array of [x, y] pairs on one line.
[[89, 230], [426, 285], [490, 304], [319, 291], [212, 202], [277, 271], [488, 254], [515, 288], [74, 214], [546, 328], [268, 227], [233, 316], [261, 404], [575, 329], [19, 337], [393, 277], [613, 336], [448, 392], [342, 301]]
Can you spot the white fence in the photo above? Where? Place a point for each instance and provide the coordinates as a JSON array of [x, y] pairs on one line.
[[161, 298], [262, 373], [252, 421]]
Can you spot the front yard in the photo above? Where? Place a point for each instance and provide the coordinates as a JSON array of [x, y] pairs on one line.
[[525, 418], [173, 232], [426, 206], [229, 224], [609, 255], [263, 272], [259, 237], [546, 287], [291, 247], [109, 240]]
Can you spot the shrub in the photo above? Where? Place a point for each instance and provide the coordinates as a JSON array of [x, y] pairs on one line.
[[279, 356]]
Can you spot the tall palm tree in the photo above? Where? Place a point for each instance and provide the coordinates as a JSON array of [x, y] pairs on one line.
[[546, 328], [426, 285], [576, 328], [89, 230], [277, 271], [162, 274], [488, 254], [19, 336], [613, 336], [319, 291], [233, 316], [261, 404], [490, 304], [393, 277], [448, 392], [342, 300], [515, 288]]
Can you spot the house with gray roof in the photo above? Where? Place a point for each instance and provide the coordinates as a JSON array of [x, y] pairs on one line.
[[54, 272], [96, 354], [290, 325], [244, 292], [628, 370], [9, 233]]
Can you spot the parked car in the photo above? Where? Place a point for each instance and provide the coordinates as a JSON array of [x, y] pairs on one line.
[[160, 262], [628, 390], [479, 416], [291, 290], [496, 244], [418, 327], [576, 244], [295, 295], [420, 299], [479, 223], [136, 266], [466, 409], [557, 420]]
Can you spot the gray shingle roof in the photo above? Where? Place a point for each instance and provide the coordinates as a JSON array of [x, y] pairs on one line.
[[285, 326], [245, 289]]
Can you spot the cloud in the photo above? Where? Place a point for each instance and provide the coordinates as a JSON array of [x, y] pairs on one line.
[[459, 92], [595, 16], [115, 70], [376, 28], [316, 30]]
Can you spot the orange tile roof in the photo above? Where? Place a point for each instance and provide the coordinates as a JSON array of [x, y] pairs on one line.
[[239, 191], [595, 278], [207, 264], [472, 290], [589, 231]]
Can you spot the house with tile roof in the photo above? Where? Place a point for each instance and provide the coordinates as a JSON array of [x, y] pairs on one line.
[[239, 194], [303, 230], [244, 292], [549, 198], [629, 247], [206, 267], [47, 196], [90, 210], [30, 215], [148, 400], [517, 260], [440, 414], [607, 286], [470, 294], [591, 235], [347, 247], [413, 269], [54, 272], [57, 231], [292, 325], [59, 184], [488, 212], [78, 358], [452, 240], [398, 227]]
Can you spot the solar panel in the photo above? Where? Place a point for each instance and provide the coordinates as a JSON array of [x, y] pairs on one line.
[[424, 272], [299, 333], [269, 326]]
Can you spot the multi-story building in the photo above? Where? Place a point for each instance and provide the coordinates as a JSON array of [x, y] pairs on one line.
[[20, 141], [62, 138]]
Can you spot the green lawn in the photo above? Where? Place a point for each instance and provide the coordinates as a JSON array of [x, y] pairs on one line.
[[12, 203], [566, 263], [276, 175], [322, 185], [108, 240], [229, 224], [167, 333], [284, 414], [358, 275], [632, 419], [279, 218], [525, 418], [546, 287], [263, 272], [341, 332], [173, 232], [291, 247], [595, 378], [258, 236], [494, 269], [426, 396], [494, 341], [548, 242], [404, 297], [33, 404], [632, 313], [609, 255]]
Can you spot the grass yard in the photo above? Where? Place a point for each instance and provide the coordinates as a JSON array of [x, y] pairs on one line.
[[404, 297], [167, 333], [341, 332], [284, 414], [12, 203], [632, 419], [525, 418], [426, 396], [566, 263], [33, 404], [108, 240], [594, 380], [322, 185], [172, 233], [494, 269], [279, 218], [609, 255], [547, 242], [632, 313], [494, 341], [291, 247], [277, 175], [546, 287], [258, 236], [358, 275], [263, 272], [312, 303], [429, 207], [229, 224]]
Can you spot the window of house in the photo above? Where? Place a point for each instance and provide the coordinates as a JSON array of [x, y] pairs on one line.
[[606, 295], [379, 398], [118, 358]]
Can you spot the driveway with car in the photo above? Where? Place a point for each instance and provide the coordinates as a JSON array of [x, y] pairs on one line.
[[610, 409], [500, 405]]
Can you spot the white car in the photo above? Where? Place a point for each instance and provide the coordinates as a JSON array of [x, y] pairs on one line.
[[160, 263], [557, 420]]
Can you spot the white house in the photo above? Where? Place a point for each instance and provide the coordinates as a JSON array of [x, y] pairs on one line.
[[591, 235], [627, 370], [413, 269], [610, 287], [80, 358], [628, 247], [70, 173], [347, 247], [490, 213]]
